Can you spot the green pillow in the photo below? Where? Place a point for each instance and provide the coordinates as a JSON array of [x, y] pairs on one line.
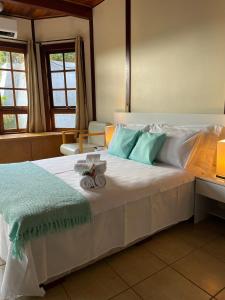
[[123, 142], [147, 147]]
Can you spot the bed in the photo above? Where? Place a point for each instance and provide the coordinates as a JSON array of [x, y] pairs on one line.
[[138, 201]]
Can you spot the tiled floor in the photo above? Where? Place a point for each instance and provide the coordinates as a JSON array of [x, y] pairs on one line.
[[184, 262]]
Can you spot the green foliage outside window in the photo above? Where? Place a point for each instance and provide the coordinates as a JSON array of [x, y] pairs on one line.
[[69, 57]]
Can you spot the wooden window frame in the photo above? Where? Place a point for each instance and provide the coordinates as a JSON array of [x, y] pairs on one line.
[[50, 109], [15, 110]]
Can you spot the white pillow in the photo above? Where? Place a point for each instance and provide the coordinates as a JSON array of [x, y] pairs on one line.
[[178, 146], [141, 127], [177, 149]]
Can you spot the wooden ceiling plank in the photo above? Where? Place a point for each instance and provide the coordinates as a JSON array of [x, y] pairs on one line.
[[70, 8]]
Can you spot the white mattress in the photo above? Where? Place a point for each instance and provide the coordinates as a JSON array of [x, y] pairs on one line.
[[137, 201]]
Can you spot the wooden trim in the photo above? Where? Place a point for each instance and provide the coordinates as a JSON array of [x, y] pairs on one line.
[[31, 18], [93, 84], [73, 131], [62, 110], [33, 31], [13, 110], [50, 109], [82, 135], [128, 55], [44, 74], [25, 135], [67, 7], [61, 46], [98, 4], [13, 46], [85, 135]]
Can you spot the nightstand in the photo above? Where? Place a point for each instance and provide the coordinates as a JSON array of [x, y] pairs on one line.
[[207, 190]]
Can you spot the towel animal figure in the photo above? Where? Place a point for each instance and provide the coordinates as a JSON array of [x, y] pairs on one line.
[[92, 171]]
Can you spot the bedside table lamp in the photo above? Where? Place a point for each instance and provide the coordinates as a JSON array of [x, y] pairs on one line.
[[220, 165], [109, 131]]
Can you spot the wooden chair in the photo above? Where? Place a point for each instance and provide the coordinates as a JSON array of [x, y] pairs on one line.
[[86, 141]]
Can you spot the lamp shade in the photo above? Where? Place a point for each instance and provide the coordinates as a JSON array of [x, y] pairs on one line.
[[220, 166], [109, 131]]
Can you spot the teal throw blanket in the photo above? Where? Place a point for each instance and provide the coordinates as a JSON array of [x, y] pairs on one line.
[[35, 203]]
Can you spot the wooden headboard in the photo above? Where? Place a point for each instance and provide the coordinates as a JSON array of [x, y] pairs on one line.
[[171, 119]]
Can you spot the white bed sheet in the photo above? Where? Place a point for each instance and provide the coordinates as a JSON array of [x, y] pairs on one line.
[[137, 201]]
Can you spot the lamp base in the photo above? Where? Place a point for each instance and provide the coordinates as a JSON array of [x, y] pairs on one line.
[[221, 177]]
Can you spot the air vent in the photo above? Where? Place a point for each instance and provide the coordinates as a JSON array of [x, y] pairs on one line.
[[7, 34], [8, 28]]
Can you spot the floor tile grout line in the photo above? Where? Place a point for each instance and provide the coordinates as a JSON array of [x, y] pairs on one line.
[[66, 292], [120, 293], [114, 271], [131, 286], [191, 281], [136, 293], [223, 289], [191, 251], [156, 272], [166, 266], [214, 256]]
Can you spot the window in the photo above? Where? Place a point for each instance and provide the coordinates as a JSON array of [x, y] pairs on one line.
[[13, 88], [61, 74]]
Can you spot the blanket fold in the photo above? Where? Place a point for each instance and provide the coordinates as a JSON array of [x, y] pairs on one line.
[[35, 203]]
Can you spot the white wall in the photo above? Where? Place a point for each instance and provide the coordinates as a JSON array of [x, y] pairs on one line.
[[178, 56], [109, 41], [66, 28], [24, 29]]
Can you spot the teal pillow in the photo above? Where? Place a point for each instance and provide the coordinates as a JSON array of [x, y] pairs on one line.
[[123, 142], [147, 147]]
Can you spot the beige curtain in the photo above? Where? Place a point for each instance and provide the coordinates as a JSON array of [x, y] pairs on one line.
[[81, 106], [36, 116]]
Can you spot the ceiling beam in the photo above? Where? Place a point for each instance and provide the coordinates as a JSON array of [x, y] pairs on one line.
[[69, 8]]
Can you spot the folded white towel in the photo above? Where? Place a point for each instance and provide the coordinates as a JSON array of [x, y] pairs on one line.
[[87, 183], [100, 180], [92, 171], [90, 183], [83, 167]]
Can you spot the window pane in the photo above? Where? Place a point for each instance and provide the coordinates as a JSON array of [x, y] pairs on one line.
[[58, 80], [18, 61], [59, 98], [22, 121], [56, 62], [20, 80], [70, 80], [9, 122], [69, 61], [6, 97], [65, 120], [5, 60], [71, 96], [5, 79], [21, 98]]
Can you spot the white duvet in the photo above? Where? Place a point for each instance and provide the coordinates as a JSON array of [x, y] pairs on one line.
[[137, 201], [127, 180]]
